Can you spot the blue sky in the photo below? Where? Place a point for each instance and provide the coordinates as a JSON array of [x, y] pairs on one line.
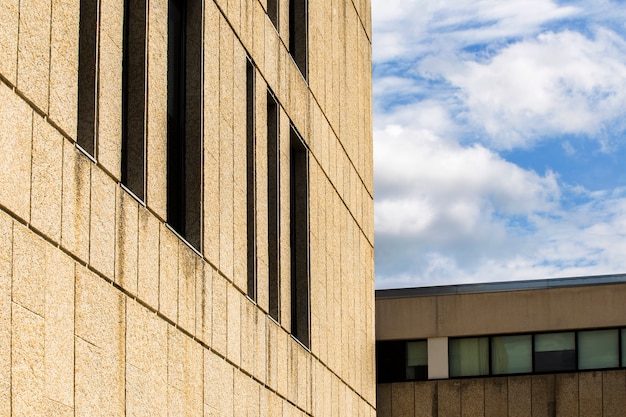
[[499, 140]]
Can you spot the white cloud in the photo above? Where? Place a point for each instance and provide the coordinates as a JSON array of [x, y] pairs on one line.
[[557, 83], [456, 84]]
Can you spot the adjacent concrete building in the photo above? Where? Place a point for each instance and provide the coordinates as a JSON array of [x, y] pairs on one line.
[[526, 348], [186, 213]]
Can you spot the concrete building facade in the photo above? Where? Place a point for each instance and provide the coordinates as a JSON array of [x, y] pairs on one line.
[[526, 348], [186, 212]]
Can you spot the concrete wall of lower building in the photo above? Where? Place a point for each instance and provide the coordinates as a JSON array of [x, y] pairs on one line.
[[103, 309], [583, 394], [485, 313]]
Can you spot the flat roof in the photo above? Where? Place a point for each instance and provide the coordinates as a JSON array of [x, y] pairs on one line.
[[531, 284]]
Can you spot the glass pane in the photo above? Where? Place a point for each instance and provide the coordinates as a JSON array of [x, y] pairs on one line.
[[623, 347], [469, 356], [416, 353], [598, 349], [550, 342], [511, 354]]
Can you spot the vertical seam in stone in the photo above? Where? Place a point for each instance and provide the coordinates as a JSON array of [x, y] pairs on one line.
[[11, 315], [32, 149], [17, 54], [49, 56]]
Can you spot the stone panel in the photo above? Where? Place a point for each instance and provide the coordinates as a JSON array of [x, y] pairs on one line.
[[47, 167], [220, 314], [472, 397], [99, 381], [147, 269], [590, 393], [15, 153], [566, 395], [64, 65], [496, 397], [403, 399], [34, 51], [425, 398], [126, 241], [449, 398], [613, 393], [519, 396], [29, 270], [6, 252], [102, 223], [75, 202], [59, 327], [156, 141], [110, 85], [146, 368], [187, 276], [27, 363], [9, 13], [234, 324], [543, 395], [168, 273]]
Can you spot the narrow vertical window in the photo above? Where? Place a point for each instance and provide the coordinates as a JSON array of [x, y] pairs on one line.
[[298, 33], [299, 236], [251, 180], [88, 75], [184, 121], [134, 97], [273, 212], [272, 12]]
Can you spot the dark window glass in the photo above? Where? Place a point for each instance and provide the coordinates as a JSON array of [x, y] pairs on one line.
[[390, 361], [184, 115], [251, 181], [134, 97], [272, 12], [511, 354], [468, 356], [299, 236], [273, 211], [598, 349], [88, 76], [555, 352], [298, 33]]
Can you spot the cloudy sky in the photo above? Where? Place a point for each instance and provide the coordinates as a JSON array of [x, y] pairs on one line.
[[499, 140]]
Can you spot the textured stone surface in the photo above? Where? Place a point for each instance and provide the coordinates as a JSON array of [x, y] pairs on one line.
[[234, 325], [75, 202], [126, 240], [15, 153], [29, 270], [496, 397], [156, 170], [64, 65], [110, 85], [6, 252], [9, 14], [59, 327], [27, 363], [102, 223], [220, 314], [168, 273], [590, 393], [519, 396], [46, 187], [566, 395], [613, 393], [472, 397], [34, 51], [147, 268], [543, 396], [403, 399]]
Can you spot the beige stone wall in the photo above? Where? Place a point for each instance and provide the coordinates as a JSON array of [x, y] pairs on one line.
[[584, 394], [487, 313], [104, 310]]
